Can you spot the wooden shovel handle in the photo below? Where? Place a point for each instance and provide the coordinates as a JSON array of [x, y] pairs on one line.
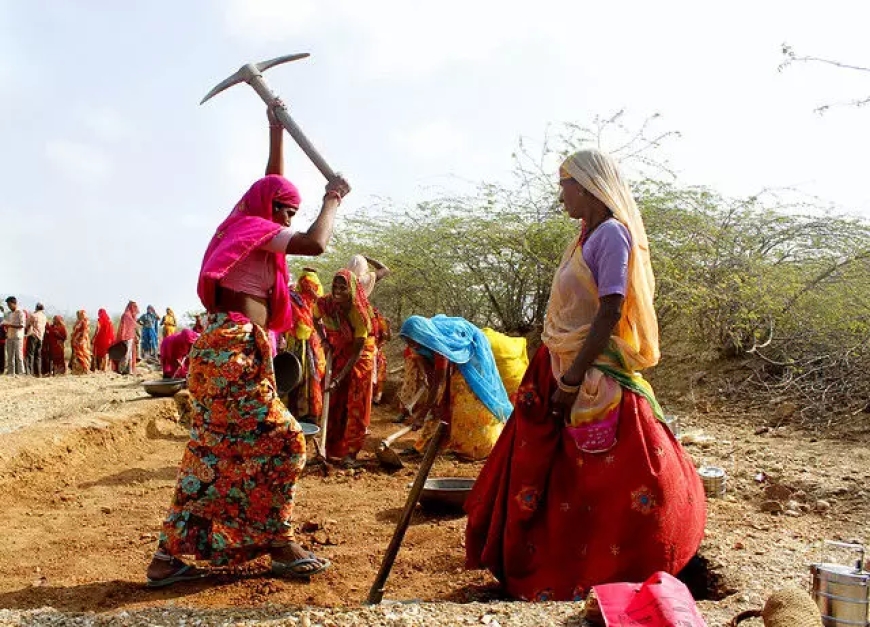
[[376, 594], [388, 441]]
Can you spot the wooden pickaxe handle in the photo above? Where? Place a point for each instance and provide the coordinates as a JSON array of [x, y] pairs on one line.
[[251, 73], [269, 97]]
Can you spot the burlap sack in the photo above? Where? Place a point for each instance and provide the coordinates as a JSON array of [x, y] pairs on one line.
[[788, 607]]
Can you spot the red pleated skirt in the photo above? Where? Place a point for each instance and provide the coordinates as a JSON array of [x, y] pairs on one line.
[[550, 521]]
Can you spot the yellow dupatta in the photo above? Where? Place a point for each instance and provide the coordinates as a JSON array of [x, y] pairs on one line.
[[573, 303]]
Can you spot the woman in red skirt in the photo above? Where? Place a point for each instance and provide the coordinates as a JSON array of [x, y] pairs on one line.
[[586, 484]]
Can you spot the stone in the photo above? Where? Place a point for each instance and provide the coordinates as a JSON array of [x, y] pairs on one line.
[[822, 506], [777, 492], [771, 507]]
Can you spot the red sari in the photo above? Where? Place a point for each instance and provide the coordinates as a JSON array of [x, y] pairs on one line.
[[350, 404], [103, 339], [53, 347], [602, 492], [550, 521]]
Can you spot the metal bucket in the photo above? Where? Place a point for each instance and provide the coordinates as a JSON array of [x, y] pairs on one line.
[[842, 592], [713, 479]]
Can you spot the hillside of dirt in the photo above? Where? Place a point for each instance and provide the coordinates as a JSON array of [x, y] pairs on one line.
[[87, 468]]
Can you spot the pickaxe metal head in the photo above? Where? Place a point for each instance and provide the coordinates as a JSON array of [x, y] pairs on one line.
[[251, 70]]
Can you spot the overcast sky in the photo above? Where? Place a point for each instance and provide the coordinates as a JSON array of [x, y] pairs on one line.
[[113, 178]]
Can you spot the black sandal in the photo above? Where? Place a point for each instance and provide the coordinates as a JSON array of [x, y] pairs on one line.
[[186, 572]]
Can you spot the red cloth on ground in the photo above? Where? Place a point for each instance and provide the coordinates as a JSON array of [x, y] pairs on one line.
[[550, 522]]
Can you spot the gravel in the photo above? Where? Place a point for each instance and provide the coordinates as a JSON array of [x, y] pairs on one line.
[[384, 615], [26, 401]]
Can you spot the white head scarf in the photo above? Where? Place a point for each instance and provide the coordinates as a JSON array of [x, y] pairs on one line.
[[598, 173], [360, 267]]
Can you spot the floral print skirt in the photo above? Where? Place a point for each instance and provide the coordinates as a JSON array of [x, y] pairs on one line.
[[234, 495], [550, 520]]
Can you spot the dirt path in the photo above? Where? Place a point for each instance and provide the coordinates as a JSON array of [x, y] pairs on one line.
[[84, 498], [81, 530]]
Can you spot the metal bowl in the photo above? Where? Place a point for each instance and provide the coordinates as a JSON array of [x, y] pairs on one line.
[[446, 493], [164, 387], [309, 429], [288, 372]]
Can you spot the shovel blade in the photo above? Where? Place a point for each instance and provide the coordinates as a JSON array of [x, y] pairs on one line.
[[388, 457]]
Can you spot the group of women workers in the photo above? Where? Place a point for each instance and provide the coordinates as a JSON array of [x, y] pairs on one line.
[[584, 485], [87, 353]]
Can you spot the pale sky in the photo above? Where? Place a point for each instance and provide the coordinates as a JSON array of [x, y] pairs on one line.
[[113, 178]]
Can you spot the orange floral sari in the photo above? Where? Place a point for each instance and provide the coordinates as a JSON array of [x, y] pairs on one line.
[[350, 404]]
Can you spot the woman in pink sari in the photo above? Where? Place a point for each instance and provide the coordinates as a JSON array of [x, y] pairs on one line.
[[127, 334], [234, 497], [174, 351]]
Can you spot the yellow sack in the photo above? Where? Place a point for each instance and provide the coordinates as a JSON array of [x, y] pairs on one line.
[[511, 358]]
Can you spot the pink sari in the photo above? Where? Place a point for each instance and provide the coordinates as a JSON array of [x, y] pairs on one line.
[[248, 227], [127, 334]]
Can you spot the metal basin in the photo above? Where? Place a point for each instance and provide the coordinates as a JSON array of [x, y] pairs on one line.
[[309, 429], [446, 494], [164, 387], [288, 372]]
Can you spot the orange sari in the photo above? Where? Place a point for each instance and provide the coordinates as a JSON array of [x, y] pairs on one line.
[[350, 404]]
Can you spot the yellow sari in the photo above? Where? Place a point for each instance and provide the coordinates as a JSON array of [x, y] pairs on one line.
[[634, 344], [169, 323]]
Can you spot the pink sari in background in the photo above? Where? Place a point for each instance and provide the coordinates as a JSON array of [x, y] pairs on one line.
[[127, 334], [174, 351], [248, 227]]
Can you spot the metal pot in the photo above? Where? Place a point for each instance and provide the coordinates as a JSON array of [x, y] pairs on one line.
[[842, 592], [447, 494], [164, 387], [713, 479], [288, 372]]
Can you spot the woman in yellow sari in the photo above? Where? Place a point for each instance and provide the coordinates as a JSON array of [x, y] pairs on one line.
[[303, 340], [464, 387], [170, 325]]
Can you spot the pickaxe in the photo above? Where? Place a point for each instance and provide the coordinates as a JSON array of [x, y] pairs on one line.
[[251, 73]]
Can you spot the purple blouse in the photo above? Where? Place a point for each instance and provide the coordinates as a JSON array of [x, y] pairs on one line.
[[606, 252]]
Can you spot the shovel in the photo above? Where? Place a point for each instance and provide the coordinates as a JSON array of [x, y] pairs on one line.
[[376, 593], [320, 445], [387, 456]]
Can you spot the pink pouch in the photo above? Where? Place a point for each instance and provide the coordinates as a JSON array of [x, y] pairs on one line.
[[660, 601], [598, 436]]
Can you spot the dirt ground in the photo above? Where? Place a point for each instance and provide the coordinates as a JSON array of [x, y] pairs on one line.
[[87, 468]]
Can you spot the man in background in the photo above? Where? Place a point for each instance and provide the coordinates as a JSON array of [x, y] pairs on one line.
[[35, 333], [2, 341], [14, 325]]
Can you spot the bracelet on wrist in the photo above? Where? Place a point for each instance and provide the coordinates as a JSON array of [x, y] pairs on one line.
[[569, 389], [332, 194]]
